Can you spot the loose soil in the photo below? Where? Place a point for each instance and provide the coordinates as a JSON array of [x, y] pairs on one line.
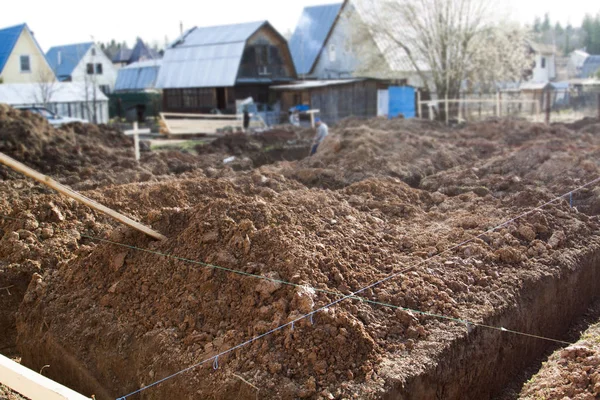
[[378, 197]]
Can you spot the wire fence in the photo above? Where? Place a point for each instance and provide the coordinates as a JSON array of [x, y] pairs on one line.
[[543, 105]]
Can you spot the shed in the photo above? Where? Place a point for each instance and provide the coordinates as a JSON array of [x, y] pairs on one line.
[[336, 99], [210, 68], [67, 99]]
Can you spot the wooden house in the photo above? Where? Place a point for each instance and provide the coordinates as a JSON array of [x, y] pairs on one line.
[[210, 68]]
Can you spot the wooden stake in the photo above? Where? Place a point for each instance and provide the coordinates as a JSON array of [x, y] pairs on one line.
[[46, 180], [33, 385], [136, 138]]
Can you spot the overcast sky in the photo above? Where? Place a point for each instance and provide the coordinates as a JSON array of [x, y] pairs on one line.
[[60, 22]]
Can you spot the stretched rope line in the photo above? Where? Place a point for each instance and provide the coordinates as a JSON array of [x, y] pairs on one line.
[[353, 294]]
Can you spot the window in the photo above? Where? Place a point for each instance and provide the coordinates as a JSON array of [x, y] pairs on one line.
[[543, 62], [332, 53], [25, 64], [93, 52], [262, 55], [90, 69], [99, 69]]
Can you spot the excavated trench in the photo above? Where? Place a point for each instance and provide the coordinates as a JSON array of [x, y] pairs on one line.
[[483, 363], [478, 366]]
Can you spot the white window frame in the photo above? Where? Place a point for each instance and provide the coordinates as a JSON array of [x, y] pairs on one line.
[[21, 63]]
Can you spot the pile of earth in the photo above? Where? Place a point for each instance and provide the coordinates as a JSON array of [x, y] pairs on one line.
[[570, 373], [259, 148], [414, 151], [159, 314], [84, 156]]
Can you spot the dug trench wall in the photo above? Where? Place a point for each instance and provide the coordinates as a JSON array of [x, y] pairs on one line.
[[482, 363]]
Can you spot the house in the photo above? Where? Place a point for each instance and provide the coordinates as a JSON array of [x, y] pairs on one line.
[[335, 42], [591, 67], [544, 69], [70, 99], [210, 68], [83, 62], [21, 58], [140, 52], [135, 96]]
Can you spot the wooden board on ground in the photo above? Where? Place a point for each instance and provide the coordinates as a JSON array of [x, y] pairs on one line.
[[46, 180], [33, 385]]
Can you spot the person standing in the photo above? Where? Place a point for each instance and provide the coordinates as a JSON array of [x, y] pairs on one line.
[[322, 132]]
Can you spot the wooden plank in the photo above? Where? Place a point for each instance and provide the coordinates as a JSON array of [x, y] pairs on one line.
[[208, 116], [33, 385], [46, 180]]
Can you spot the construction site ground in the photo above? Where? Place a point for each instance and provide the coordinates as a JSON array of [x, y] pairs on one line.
[[273, 235]]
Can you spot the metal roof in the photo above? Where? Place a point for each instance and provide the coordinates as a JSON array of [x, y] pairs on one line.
[[311, 32], [64, 59], [122, 56], [206, 57], [314, 84], [8, 39], [63, 92], [590, 67], [138, 76]]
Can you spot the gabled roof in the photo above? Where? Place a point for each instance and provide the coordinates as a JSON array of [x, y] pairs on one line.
[[138, 76], [542, 48], [122, 56], [64, 59], [312, 30], [206, 57], [8, 39], [141, 52], [590, 67]]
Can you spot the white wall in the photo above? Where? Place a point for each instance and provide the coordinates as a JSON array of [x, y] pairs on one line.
[[547, 73], [109, 72]]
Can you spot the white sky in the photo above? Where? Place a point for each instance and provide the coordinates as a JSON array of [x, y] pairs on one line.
[[59, 22]]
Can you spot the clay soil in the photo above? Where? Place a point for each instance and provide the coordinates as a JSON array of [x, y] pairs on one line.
[[380, 196], [570, 373]]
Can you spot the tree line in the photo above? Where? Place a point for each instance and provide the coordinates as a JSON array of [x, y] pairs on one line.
[[569, 38]]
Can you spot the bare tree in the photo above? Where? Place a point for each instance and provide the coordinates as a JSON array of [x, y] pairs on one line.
[[446, 42], [46, 87]]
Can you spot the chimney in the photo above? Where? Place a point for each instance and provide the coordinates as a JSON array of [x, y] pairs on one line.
[[59, 57], [181, 27]]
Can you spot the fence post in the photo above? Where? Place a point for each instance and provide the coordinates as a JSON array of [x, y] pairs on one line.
[[447, 115], [498, 104], [548, 107], [419, 103]]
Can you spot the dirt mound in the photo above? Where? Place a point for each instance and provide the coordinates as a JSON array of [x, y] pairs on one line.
[[164, 314], [570, 373]]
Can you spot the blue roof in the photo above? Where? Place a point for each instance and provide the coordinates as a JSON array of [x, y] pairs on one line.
[[141, 52], [206, 57], [70, 56], [309, 37], [138, 76], [8, 39], [590, 67]]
